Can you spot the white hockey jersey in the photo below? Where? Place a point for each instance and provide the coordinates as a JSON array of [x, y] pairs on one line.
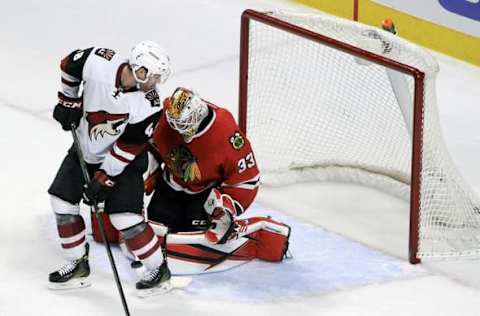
[[116, 124]]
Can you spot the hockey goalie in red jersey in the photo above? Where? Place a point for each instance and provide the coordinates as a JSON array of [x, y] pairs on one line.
[[207, 177], [115, 113]]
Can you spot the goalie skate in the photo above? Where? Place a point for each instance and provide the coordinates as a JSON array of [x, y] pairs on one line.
[[74, 274]]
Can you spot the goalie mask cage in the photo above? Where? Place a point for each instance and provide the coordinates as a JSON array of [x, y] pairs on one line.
[[323, 98]]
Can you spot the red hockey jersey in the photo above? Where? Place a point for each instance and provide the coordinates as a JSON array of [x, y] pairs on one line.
[[219, 156]]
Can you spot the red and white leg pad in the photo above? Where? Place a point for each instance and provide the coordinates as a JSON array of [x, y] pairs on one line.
[[271, 237], [256, 237]]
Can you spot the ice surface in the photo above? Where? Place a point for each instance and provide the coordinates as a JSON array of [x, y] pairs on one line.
[[329, 274]]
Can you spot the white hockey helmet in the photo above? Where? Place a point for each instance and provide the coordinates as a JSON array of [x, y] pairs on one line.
[[185, 111], [153, 58]]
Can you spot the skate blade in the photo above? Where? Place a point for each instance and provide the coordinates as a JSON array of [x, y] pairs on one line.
[[160, 289], [180, 282], [72, 284], [174, 283]]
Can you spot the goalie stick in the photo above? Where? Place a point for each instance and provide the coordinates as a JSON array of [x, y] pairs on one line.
[[98, 211]]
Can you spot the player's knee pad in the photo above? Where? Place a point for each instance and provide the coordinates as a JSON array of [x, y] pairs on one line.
[[142, 243], [133, 231], [113, 223], [130, 233], [60, 206], [122, 221], [66, 219], [159, 229]]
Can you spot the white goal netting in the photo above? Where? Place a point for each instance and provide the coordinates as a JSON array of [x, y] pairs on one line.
[[318, 113]]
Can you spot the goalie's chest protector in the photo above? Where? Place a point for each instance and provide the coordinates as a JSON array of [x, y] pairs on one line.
[[200, 164], [108, 110]]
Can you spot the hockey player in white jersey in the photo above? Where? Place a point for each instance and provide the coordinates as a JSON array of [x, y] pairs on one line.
[[115, 104]]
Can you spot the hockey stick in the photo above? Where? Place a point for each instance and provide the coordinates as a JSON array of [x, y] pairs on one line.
[[98, 213]]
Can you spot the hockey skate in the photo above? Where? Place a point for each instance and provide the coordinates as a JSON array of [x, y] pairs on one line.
[[158, 281], [155, 282], [74, 274]]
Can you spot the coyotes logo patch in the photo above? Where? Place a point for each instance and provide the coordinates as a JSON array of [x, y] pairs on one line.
[[105, 53], [183, 164], [101, 123], [153, 97]]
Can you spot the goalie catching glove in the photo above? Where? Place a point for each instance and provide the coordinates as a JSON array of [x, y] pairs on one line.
[[221, 212], [68, 111], [98, 189]]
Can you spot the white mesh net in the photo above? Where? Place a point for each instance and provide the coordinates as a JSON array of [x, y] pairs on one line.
[[317, 113]]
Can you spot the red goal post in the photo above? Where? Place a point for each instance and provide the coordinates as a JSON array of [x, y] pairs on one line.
[[310, 40]]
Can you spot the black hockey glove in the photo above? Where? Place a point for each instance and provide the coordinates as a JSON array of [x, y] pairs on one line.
[[68, 111], [98, 189]]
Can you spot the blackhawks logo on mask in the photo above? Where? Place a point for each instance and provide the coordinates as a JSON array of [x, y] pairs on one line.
[[183, 164], [237, 141]]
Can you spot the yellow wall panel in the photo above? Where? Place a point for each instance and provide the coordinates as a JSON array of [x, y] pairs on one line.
[[434, 36], [425, 33], [342, 8]]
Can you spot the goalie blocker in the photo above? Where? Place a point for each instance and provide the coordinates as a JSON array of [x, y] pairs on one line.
[[191, 253]]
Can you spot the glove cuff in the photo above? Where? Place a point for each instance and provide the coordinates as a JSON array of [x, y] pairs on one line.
[[214, 200], [69, 102], [218, 200], [102, 178]]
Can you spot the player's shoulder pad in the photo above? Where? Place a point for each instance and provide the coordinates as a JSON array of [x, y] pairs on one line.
[[224, 118], [73, 63], [229, 129]]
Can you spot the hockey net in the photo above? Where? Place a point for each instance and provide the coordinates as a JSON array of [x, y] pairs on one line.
[[323, 98]]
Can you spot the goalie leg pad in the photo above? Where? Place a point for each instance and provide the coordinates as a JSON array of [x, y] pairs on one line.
[[272, 239], [255, 237]]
